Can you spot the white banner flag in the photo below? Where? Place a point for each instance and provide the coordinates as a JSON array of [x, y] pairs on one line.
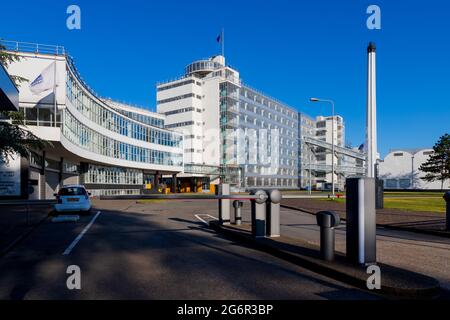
[[45, 81]]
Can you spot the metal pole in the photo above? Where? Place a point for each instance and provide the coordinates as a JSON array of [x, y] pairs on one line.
[[371, 117], [412, 171], [54, 93], [332, 149], [223, 42], [447, 211], [327, 243], [258, 213], [310, 183], [273, 213], [327, 220]]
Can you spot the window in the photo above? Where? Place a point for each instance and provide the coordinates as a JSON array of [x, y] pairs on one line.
[[95, 142], [176, 85], [130, 124], [72, 191], [184, 96]]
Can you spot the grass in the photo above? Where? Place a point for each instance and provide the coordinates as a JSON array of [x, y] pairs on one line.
[[428, 204], [418, 204], [414, 194]]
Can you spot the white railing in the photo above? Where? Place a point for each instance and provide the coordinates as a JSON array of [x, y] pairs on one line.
[[338, 149], [338, 169], [32, 47]]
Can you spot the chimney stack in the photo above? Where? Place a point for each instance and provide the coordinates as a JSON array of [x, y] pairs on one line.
[[371, 119]]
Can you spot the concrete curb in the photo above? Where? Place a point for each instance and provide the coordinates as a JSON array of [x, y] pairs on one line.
[[396, 283], [437, 233]]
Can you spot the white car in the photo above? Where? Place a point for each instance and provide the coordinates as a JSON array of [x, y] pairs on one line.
[[73, 198]]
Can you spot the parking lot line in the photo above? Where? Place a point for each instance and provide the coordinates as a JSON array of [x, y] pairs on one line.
[[202, 220], [78, 238]]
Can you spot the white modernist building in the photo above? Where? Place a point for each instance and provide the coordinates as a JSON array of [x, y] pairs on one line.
[[256, 140], [209, 128], [111, 148], [324, 131], [400, 170], [231, 131]]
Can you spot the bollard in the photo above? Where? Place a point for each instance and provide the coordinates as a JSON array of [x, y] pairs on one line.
[[327, 220], [258, 208], [447, 212], [237, 212], [379, 194], [224, 204], [361, 223], [273, 213]]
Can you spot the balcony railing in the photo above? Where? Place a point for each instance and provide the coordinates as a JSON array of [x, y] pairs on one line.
[[33, 47]]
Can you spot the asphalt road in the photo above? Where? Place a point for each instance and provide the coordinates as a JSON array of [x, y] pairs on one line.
[[157, 250]]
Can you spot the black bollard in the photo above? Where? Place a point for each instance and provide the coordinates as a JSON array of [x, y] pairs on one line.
[[447, 212], [327, 220]]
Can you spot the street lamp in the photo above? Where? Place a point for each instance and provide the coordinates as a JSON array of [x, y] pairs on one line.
[[332, 137]]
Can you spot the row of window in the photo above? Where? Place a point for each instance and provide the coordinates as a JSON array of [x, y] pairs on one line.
[[184, 96], [93, 141], [149, 120], [114, 192], [178, 84], [193, 151], [180, 124], [113, 175], [270, 182], [202, 65], [247, 121], [182, 110], [114, 121], [269, 115], [263, 170], [268, 103]]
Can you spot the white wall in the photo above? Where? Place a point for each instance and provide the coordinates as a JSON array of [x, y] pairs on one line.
[[30, 67], [400, 171]]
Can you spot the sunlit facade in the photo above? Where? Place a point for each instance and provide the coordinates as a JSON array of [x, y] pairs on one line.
[[109, 147]]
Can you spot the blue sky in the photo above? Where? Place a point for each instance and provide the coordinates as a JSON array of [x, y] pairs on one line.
[[291, 50]]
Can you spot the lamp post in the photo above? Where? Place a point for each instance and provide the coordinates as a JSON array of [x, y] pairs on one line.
[[332, 138]]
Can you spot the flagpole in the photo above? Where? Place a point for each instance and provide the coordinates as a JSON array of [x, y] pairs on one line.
[[223, 42], [54, 92]]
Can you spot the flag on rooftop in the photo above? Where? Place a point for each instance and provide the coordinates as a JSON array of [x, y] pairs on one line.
[[44, 81]]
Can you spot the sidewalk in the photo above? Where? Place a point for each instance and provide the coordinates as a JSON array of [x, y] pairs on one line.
[[426, 222], [16, 221]]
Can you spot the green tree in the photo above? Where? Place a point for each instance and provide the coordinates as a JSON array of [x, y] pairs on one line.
[[437, 167], [14, 137]]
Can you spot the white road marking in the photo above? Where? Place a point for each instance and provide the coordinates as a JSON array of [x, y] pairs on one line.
[[202, 220], [78, 238]]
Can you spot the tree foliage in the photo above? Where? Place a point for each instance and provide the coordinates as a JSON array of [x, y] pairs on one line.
[[437, 167], [14, 137]]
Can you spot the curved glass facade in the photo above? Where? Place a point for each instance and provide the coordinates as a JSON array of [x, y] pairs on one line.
[[114, 121], [90, 140], [202, 65], [151, 121]]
